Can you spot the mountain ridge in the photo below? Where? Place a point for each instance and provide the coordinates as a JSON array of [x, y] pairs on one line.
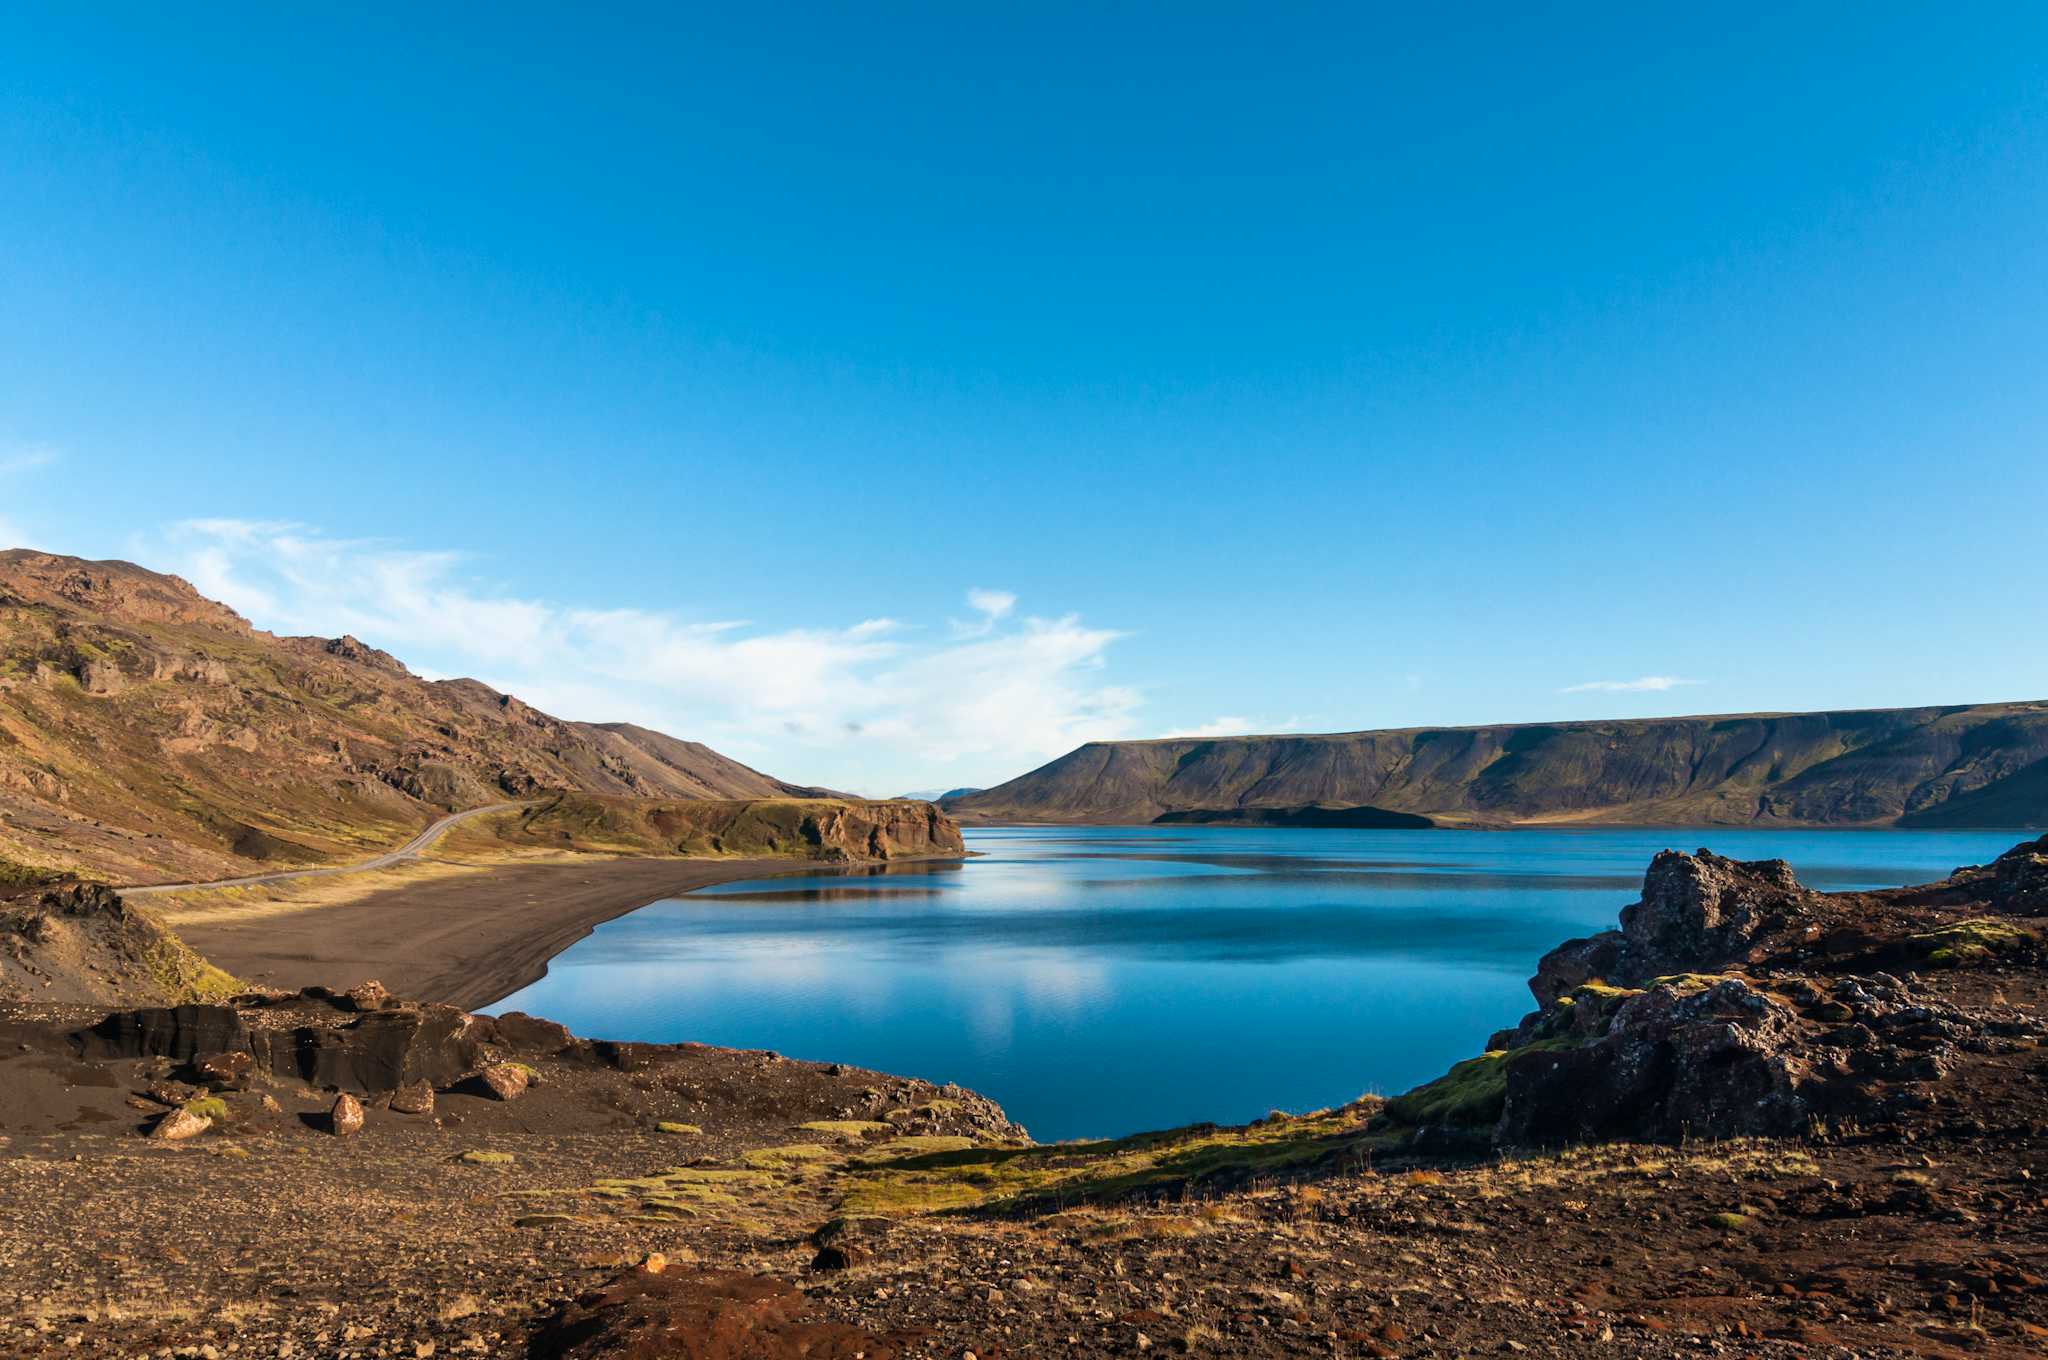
[[1937, 765], [147, 732]]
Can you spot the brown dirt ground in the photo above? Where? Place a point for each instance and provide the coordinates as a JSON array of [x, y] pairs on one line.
[[269, 1235]]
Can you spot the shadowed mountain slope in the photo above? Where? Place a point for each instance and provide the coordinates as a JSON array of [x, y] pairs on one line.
[[148, 733], [1968, 765]]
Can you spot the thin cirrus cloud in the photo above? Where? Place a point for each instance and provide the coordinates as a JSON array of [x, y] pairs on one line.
[[1236, 727], [1648, 684], [865, 705], [25, 457]]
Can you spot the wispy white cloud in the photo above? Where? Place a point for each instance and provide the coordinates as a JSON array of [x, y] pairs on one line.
[[992, 605], [1236, 727], [25, 457], [868, 704], [1642, 685]]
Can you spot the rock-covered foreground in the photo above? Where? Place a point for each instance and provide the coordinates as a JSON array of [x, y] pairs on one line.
[[1792, 1123]]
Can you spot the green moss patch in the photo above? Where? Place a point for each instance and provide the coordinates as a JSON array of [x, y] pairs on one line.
[[1973, 941], [1015, 1177], [919, 1145], [671, 1126], [14, 874], [1685, 984], [1471, 1094], [482, 1157], [795, 1154], [846, 1128]]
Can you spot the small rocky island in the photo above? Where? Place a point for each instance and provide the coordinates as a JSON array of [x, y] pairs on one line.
[[1754, 1119]]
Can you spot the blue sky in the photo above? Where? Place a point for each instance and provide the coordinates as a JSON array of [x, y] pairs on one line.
[[1310, 367]]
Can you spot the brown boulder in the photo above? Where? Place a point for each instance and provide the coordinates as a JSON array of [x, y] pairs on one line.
[[368, 996], [505, 1081], [839, 1256], [530, 1034], [700, 1315], [224, 1070], [346, 1117], [415, 1097], [179, 1125]]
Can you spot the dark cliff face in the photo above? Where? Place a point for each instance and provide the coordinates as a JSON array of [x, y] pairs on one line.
[[1976, 765]]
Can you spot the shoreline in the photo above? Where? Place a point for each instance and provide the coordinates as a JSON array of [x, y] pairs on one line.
[[470, 940]]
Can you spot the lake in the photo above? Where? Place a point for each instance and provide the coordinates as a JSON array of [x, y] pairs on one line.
[[1104, 980]]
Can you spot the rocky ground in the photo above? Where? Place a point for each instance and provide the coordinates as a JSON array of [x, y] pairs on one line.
[[1796, 1124]]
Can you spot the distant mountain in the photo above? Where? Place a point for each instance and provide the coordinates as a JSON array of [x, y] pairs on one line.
[[1308, 815], [148, 733], [1968, 765], [937, 795]]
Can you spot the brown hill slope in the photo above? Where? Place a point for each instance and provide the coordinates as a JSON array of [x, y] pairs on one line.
[[1980, 764], [147, 733]]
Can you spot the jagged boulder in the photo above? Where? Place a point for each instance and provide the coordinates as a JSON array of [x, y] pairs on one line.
[[2020, 879], [1679, 1058], [1697, 913]]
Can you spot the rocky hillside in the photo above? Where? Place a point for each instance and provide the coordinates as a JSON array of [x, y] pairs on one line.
[[67, 941], [148, 734], [829, 829], [1969, 765]]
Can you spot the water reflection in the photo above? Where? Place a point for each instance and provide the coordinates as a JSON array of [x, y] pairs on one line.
[[1101, 980]]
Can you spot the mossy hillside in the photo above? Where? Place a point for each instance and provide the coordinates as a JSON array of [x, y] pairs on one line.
[[179, 970], [15, 876]]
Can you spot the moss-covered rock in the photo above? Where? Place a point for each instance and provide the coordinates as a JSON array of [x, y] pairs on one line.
[[1975, 940]]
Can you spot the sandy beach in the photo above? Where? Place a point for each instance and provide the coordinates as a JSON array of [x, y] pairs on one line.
[[468, 939]]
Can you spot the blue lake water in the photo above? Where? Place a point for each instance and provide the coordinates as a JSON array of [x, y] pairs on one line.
[[1103, 980]]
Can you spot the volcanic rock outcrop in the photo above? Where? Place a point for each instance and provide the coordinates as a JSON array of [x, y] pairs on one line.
[[1734, 1001]]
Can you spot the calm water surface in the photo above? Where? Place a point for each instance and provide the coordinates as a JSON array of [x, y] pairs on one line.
[[1102, 980]]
